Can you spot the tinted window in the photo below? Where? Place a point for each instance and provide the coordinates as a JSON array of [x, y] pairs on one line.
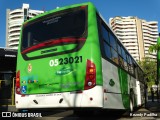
[[121, 61], [119, 49], [105, 34], [125, 65], [129, 60], [71, 24], [114, 55], [113, 41], [131, 65], [107, 50], [123, 54]]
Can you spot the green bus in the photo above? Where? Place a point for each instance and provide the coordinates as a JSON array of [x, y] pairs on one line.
[[70, 58]]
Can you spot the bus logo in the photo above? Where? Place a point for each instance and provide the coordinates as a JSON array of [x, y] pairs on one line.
[[111, 83], [29, 67], [64, 71], [24, 89]]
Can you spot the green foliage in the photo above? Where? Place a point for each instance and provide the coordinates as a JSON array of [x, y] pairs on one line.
[[149, 67], [154, 48]]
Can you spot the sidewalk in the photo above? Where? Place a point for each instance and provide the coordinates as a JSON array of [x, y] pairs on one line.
[[8, 108], [153, 106]]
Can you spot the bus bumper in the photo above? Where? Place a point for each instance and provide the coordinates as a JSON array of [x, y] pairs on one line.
[[86, 98]]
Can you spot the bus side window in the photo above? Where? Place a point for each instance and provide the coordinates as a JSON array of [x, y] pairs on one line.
[[113, 41], [107, 50], [131, 65], [126, 62], [124, 59], [114, 55], [105, 34], [106, 42], [136, 70], [110, 44], [121, 61], [123, 53], [125, 65], [119, 50], [139, 74]]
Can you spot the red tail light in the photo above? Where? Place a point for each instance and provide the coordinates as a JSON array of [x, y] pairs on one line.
[[18, 91], [83, 7], [90, 80]]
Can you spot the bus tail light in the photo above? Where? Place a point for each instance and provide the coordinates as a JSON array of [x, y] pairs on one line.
[[90, 80], [83, 7], [18, 91]]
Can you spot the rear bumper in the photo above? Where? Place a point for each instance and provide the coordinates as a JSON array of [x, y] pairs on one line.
[[87, 98]]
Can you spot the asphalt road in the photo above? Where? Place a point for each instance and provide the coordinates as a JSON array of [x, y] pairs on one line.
[[151, 112]]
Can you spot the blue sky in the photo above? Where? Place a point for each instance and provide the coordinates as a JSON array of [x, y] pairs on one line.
[[143, 9]]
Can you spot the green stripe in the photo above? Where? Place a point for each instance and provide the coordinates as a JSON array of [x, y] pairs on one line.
[[123, 79]]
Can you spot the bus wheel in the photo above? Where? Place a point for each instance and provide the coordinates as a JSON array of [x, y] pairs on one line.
[[131, 102], [84, 113], [23, 110], [79, 113]]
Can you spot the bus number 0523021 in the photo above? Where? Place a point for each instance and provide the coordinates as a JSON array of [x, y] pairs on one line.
[[69, 60]]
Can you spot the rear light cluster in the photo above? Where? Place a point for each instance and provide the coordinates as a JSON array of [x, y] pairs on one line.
[[18, 90], [90, 80]]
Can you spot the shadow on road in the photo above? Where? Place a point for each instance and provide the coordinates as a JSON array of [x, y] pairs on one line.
[[153, 106], [98, 115]]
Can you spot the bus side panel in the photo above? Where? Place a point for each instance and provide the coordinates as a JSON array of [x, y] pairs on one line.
[[124, 80], [140, 93], [113, 96]]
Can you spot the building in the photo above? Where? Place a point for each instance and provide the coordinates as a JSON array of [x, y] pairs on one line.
[[136, 34], [14, 20], [8, 60]]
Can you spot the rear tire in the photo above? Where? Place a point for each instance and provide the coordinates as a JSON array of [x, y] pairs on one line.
[[87, 113], [131, 105], [80, 113], [131, 102], [23, 110]]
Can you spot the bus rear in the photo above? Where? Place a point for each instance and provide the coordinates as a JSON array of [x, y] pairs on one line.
[[59, 60]]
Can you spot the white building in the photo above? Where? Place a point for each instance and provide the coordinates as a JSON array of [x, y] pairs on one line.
[[136, 34], [14, 20]]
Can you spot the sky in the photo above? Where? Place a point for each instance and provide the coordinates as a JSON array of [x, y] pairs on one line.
[[148, 10]]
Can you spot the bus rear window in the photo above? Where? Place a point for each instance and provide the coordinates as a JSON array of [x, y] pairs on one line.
[[64, 24]]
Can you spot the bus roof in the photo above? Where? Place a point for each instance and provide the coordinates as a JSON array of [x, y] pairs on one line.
[[58, 9]]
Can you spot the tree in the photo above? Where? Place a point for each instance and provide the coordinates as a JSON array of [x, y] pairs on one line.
[[154, 48], [149, 67]]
